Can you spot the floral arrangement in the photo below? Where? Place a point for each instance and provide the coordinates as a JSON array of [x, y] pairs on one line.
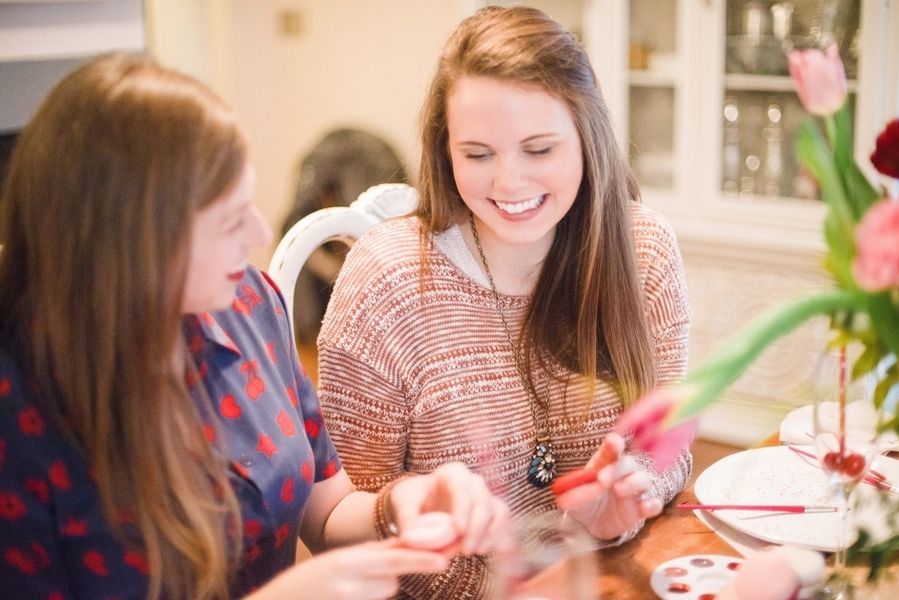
[[861, 229]]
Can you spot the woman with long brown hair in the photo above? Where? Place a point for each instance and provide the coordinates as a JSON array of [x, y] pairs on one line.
[[158, 437], [527, 302]]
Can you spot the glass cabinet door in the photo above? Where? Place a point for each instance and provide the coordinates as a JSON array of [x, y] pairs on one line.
[[760, 112], [652, 91]]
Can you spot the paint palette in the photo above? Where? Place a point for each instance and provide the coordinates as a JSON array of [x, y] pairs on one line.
[[694, 577]]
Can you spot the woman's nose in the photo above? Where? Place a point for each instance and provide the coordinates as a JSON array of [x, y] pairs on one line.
[[260, 232], [509, 177]]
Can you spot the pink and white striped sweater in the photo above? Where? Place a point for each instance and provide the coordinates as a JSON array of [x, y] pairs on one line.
[[412, 377]]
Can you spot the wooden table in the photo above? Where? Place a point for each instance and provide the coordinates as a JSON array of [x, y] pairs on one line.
[[624, 571]]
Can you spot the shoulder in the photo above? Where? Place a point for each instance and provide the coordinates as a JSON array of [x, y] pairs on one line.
[[652, 232], [391, 242]]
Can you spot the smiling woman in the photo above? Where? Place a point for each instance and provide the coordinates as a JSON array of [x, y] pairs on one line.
[[529, 299]]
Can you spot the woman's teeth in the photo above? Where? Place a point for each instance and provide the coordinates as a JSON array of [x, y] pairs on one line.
[[513, 208]]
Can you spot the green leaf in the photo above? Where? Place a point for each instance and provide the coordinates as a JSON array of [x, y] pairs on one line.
[[813, 152], [885, 318], [860, 194], [866, 362]]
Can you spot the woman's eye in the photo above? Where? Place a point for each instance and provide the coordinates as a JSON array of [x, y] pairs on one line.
[[539, 151], [477, 156]]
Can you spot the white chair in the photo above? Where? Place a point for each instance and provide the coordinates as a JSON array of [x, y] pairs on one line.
[[338, 223]]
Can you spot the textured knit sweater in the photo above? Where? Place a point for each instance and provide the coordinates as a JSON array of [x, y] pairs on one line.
[[417, 371]]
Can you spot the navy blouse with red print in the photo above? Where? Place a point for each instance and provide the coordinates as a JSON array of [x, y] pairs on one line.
[[54, 540]]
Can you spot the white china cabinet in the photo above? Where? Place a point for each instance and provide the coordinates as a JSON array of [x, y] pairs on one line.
[[706, 109]]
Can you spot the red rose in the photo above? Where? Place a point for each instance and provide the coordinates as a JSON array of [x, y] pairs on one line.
[[885, 157]]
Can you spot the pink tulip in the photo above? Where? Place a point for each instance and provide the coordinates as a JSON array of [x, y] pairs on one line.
[[876, 264], [820, 79], [646, 422]]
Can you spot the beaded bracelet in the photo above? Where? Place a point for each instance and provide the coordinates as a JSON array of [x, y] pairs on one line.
[[385, 523]]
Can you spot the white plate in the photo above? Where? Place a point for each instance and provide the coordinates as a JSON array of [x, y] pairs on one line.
[[777, 475], [693, 577]]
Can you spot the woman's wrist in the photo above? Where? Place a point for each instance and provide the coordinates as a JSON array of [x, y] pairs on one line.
[[384, 517]]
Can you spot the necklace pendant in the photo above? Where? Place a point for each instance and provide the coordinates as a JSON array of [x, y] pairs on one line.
[[542, 470]]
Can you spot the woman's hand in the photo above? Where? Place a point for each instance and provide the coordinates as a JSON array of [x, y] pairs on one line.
[[478, 518], [614, 502], [365, 571]]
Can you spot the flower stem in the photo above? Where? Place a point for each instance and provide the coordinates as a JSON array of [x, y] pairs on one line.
[[830, 125]]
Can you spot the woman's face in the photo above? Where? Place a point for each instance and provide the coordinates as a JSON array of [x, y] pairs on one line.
[[516, 157], [222, 236]]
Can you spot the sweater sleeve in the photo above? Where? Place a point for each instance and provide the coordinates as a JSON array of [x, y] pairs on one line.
[[366, 415], [668, 312]]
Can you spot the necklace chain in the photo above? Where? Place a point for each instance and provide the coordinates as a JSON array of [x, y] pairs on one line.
[[542, 469]]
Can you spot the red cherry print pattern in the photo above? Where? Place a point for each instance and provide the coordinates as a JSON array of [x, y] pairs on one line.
[[30, 421], [255, 385], [287, 490], [252, 528], [196, 343], [270, 349], [137, 561], [246, 301], [59, 475], [240, 470], [20, 560], [94, 561], [55, 596], [229, 407], [5, 386], [206, 318], [330, 469], [281, 535], [292, 395], [39, 489], [266, 445], [11, 506], [74, 527], [192, 377], [312, 428], [306, 471], [209, 432], [253, 553], [41, 556], [286, 424]]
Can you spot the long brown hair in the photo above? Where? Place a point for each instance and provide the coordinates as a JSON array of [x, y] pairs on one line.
[[587, 309], [97, 208]]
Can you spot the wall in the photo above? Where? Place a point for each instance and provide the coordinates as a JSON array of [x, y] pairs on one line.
[[354, 63]]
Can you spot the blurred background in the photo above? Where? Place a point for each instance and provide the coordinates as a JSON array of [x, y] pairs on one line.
[[329, 92]]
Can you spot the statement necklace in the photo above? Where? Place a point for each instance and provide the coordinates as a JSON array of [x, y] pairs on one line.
[[542, 469]]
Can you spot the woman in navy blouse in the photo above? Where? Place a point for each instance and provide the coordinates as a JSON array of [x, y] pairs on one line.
[[158, 437]]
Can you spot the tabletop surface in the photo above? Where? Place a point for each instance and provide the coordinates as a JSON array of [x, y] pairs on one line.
[[624, 571]]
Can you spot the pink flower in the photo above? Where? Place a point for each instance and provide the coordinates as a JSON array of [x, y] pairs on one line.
[[885, 157], [876, 264], [820, 79], [647, 422]]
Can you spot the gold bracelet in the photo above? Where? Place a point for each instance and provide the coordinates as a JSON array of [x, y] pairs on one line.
[[383, 518]]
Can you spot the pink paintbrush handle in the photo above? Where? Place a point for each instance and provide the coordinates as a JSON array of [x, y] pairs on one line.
[[788, 508]]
